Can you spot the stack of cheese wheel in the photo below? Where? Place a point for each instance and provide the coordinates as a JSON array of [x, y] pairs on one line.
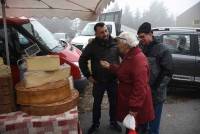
[[45, 89], [7, 103]]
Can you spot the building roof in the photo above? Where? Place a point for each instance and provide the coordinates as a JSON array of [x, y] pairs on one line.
[[191, 8]]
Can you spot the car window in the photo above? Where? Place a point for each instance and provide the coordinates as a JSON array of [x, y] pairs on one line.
[[109, 27], [177, 44], [23, 40], [89, 30]]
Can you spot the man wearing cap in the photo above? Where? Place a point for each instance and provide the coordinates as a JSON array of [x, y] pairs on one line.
[[160, 60], [103, 47]]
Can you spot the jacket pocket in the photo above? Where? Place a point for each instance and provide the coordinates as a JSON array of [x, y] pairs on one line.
[[154, 69]]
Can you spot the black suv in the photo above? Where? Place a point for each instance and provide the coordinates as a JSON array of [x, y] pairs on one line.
[[184, 44]]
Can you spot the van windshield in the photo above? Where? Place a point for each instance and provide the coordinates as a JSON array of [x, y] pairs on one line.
[[43, 35], [89, 30]]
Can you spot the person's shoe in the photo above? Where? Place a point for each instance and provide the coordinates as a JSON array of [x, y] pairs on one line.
[[114, 125], [93, 128]]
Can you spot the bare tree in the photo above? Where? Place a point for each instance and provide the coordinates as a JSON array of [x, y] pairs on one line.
[[157, 15], [127, 17]]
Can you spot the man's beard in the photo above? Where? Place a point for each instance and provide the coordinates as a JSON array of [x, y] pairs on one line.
[[104, 39]]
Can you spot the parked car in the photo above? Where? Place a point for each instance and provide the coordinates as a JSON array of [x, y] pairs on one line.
[[184, 44], [23, 33]]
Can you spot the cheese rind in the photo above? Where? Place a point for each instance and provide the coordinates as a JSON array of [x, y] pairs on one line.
[[38, 78], [5, 70], [53, 108], [43, 63], [1, 61], [48, 93]]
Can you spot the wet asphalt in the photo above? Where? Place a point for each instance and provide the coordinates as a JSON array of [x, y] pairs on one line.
[[181, 114]]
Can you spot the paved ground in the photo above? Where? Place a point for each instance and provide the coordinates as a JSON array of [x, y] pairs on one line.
[[181, 113]]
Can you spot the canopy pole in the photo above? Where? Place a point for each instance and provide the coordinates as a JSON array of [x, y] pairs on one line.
[[3, 3]]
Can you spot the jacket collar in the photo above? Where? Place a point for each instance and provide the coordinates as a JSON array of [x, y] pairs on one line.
[[132, 52], [152, 43], [109, 43], [147, 48]]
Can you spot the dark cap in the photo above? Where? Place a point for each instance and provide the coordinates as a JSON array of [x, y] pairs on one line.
[[144, 28]]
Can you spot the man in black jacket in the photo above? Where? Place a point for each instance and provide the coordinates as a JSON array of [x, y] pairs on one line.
[[102, 47], [160, 60]]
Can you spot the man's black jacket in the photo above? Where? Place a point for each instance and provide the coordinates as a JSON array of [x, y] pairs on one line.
[[95, 51]]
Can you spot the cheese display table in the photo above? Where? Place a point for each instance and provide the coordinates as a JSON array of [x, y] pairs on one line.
[[47, 87], [21, 123], [46, 98]]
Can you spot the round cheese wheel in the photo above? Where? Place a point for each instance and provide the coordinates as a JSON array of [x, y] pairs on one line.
[[47, 93], [52, 108]]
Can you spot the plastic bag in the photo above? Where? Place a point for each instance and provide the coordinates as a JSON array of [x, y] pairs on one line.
[[129, 122]]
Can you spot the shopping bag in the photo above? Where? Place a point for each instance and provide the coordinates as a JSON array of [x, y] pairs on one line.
[[129, 123]]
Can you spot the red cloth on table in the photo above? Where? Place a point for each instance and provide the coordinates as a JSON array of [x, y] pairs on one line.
[[22, 123]]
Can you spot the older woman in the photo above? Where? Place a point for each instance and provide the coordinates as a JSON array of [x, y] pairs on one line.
[[134, 94]]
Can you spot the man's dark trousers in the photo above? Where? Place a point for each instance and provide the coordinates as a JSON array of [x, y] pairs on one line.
[[155, 124], [98, 93]]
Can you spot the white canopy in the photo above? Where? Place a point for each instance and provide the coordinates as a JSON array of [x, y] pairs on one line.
[[83, 9]]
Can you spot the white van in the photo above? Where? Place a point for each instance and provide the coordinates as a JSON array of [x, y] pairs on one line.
[[113, 23], [81, 40]]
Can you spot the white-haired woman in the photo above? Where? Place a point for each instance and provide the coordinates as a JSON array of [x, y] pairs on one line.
[[134, 94]]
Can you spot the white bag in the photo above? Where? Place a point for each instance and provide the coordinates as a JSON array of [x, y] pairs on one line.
[[129, 122]]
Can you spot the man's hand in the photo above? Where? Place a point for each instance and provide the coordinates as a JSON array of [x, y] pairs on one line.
[[105, 64], [91, 79]]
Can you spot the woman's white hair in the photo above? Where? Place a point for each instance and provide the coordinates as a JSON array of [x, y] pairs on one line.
[[129, 38]]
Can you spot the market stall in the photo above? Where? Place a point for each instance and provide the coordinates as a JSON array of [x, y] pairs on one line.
[[46, 98]]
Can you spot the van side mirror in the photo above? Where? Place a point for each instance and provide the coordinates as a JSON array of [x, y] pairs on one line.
[[32, 50], [63, 42], [29, 51]]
